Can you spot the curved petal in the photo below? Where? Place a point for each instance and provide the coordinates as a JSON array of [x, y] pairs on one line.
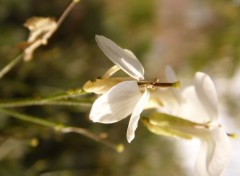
[[170, 74], [201, 163], [133, 123], [214, 154], [117, 103], [171, 77], [207, 94], [125, 59], [170, 104], [191, 108]]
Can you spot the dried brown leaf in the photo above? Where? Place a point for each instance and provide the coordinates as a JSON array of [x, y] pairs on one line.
[[41, 29]]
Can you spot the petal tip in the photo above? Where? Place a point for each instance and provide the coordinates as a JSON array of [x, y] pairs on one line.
[[130, 138]]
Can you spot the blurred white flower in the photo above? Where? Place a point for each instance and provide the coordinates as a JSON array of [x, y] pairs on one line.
[[199, 103], [126, 97]]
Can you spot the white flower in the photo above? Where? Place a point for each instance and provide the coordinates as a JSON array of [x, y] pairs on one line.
[[199, 103], [124, 98]]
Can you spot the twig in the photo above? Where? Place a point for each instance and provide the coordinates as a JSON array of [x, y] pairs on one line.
[[66, 12], [10, 65], [37, 43], [59, 99], [62, 128]]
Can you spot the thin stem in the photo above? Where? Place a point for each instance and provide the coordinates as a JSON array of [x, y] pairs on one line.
[[66, 12], [119, 148], [28, 118], [60, 20], [38, 43], [62, 128], [10, 65], [59, 99], [67, 94], [24, 103]]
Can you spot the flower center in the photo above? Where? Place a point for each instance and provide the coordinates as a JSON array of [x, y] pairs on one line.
[[155, 83]]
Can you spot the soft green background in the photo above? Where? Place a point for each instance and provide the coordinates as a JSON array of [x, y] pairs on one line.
[[190, 35]]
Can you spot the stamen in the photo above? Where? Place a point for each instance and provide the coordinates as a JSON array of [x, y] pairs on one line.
[[158, 84], [153, 84], [232, 135]]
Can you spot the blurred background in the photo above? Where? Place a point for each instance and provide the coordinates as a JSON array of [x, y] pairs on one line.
[[189, 35]]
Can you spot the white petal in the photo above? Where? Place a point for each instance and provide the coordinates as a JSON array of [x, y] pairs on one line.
[[207, 94], [133, 123], [201, 163], [171, 77], [170, 102], [117, 103], [192, 108], [125, 59], [214, 154], [170, 74]]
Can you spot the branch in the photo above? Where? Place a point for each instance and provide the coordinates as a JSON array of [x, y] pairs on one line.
[[62, 128]]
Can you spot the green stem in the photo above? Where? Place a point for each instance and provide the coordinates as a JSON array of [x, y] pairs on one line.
[[67, 94], [10, 65], [28, 118], [59, 99], [39, 103], [61, 128]]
